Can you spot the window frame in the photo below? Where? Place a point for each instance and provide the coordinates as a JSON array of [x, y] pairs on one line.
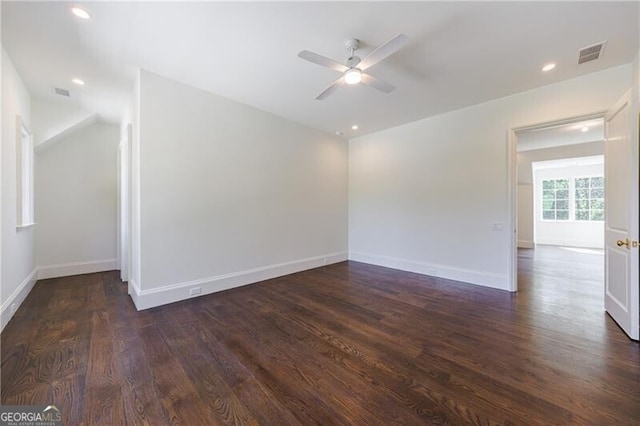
[[25, 160], [572, 198]]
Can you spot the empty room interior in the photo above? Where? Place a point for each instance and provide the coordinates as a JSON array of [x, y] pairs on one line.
[[320, 212]]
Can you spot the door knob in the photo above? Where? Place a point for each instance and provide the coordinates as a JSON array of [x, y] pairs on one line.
[[623, 243]]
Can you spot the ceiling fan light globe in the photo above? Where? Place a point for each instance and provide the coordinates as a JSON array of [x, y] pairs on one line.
[[353, 76]]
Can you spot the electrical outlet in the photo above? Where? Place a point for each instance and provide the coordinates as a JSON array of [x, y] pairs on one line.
[[497, 226], [195, 291]]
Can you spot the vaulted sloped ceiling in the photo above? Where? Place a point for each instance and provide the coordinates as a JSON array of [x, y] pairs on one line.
[[459, 53]]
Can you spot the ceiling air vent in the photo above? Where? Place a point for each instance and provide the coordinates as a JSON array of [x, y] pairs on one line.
[[61, 92], [590, 53]]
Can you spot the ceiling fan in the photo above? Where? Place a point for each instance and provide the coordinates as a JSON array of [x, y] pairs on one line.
[[353, 70]]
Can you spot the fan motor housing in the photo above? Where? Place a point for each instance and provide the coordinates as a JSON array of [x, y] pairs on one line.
[[352, 44]]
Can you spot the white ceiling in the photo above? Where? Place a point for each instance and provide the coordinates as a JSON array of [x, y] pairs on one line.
[[459, 53]]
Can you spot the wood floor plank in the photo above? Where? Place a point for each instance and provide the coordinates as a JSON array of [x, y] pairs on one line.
[[349, 343], [142, 406], [223, 405], [103, 391], [68, 393], [175, 391]]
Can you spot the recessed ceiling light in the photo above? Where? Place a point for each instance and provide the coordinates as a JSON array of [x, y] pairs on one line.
[[80, 13], [78, 81], [585, 129], [354, 127], [339, 133], [548, 67]]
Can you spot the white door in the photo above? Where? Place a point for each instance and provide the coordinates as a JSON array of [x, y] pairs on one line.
[[621, 219]]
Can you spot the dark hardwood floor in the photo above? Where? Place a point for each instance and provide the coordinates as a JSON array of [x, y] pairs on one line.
[[345, 344]]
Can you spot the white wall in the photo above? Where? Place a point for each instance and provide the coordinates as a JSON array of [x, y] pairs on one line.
[[554, 137], [569, 233], [18, 245], [230, 194], [76, 203], [524, 225], [525, 181], [53, 121], [426, 196]]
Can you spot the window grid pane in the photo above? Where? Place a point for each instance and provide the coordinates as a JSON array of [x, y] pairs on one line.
[[555, 199], [589, 203]]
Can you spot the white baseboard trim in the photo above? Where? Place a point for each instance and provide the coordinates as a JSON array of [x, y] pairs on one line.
[[526, 244], [134, 290], [16, 298], [145, 299], [75, 268], [482, 278]]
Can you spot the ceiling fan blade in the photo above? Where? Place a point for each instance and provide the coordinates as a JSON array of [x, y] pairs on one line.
[[329, 90], [381, 85], [322, 61], [387, 49]]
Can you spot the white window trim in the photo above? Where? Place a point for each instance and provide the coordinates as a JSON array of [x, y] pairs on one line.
[[25, 211], [572, 198], [562, 169]]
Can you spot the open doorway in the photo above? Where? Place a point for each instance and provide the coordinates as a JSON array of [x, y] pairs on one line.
[[621, 261], [559, 193], [560, 185]]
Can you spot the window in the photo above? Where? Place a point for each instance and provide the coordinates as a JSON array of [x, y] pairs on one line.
[[24, 178], [555, 199], [589, 198], [580, 199]]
